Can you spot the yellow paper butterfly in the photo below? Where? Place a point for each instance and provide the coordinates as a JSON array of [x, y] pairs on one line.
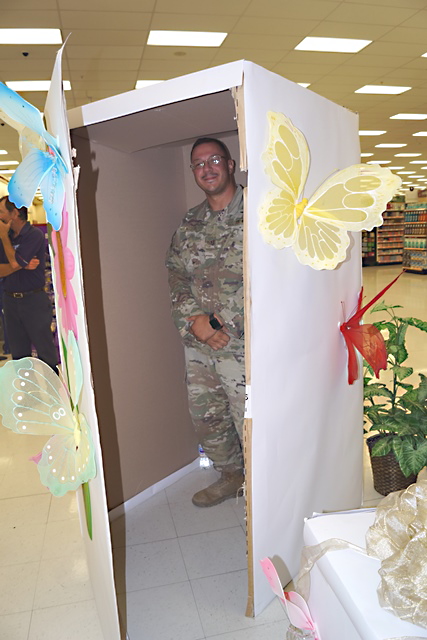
[[350, 200]]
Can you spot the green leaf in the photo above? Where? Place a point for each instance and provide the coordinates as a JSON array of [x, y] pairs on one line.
[[411, 459], [88, 508], [422, 389], [401, 333], [415, 322], [402, 372], [382, 447], [377, 389]]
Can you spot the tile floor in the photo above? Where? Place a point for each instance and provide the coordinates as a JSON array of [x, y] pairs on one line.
[[180, 570]]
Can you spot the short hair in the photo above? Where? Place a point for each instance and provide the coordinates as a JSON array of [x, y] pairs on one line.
[[22, 211], [223, 146]]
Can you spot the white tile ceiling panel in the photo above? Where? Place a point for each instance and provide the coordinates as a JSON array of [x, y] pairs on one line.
[[404, 74], [105, 52], [275, 26], [225, 7], [284, 68], [417, 63], [173, 69], [409, 50], [26, 68], [329, 29], [131, 20], [310, 9], [92, 64], [36, 52], [352, 12], [180, 53], [30, 19], [107, 5], [25, 5], [419, 21], [315, 58], [239, 40], [382, 62], [193, 22], [103, 77], [403, 35], [269, 56], [116, 38], [369, 74]]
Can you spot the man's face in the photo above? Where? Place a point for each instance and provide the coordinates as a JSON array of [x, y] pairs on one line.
[[212, 179], [5, 216]]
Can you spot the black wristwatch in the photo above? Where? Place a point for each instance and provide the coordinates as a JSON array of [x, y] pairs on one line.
[[215, 324]]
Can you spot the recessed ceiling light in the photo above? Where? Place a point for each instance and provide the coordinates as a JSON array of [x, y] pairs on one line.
[[382, 88], [409, 116], [391, 145], [417, 161], [424, 167], [371, 132], [9, 163], [405, 172], [30, 36], [304, 84], [406, 183], [4, 171], [395, 168], [34, 85], [418, 176], [366, 155], [378, 162], [186, 38], [140, 84], [420, 133], [406, 155], [3, 152], [332, 45]]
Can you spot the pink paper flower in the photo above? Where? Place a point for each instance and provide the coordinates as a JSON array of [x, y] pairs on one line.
[[64, 271]]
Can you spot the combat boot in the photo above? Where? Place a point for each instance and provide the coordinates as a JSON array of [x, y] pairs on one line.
[[229, 485]]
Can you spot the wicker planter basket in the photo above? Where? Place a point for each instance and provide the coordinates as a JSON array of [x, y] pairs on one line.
[[387, 474]]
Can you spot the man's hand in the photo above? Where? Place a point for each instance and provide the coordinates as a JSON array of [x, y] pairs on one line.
[[33, 264], [4, 229], [203, 332]]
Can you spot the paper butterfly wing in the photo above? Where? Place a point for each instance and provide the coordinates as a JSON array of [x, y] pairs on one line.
[[368, 340], [53, 191], [272, 577], [27, 177], [286, 161], [298, 611], [33, 400], [351, 200], [65, 464]]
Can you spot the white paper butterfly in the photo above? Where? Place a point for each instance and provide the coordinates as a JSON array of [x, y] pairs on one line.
[[34, 401], [317, 229]]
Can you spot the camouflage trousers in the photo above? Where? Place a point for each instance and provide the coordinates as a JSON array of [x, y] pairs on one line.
[[216, 398]]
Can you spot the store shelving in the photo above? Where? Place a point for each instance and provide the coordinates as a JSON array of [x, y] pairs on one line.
[[389, 247], [368, 248], [415, 240]]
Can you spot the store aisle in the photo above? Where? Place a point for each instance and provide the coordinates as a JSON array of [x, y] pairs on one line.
[[181, 571]]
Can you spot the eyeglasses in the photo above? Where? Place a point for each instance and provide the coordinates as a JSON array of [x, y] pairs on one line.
[[212, 162]]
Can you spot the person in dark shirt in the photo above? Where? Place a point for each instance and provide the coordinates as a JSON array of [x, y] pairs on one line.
[[26, 306]]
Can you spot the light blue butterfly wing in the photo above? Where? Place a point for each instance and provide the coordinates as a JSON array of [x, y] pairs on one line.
[[53, 190], [24, 113], [66, 464], [33, 169], [33, 399]]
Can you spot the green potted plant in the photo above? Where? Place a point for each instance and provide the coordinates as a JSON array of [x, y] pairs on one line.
[[396, 411]]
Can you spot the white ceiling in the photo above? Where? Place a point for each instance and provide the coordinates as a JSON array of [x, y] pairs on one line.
[[107, 52]]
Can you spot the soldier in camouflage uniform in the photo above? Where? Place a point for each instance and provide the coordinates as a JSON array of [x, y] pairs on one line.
[[205, 264]]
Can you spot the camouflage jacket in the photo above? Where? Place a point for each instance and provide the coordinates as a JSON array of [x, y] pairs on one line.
[[205, 264]]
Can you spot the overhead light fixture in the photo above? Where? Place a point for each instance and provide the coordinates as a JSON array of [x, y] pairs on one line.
[[409, 116], [371, 132], [30, 36], [395, 168], [420, 133], [8, 163], [424, 167], [6, 171], [186, 38], [405, 173], [366, 155], [378, 162], [3, 152], [332, 45], [391, 145], [418, 176], [406, 155], [417, 161], [382, 88], [34, 85], [140, 84], [304, 84], [406, 183]]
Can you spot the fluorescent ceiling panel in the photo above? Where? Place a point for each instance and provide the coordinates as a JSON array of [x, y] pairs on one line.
[[406, 155], [9, 163], [395, 168], [186, 38], [332, 45], [405, 173], [304, 84], [366, 155], [409, 116], [3, 152], [4, 171], [140, 84], [34, 85], [371, 132], [382, 88], [420, 133], [30, 36], [378, 162], [417, 161], [391, 145]]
